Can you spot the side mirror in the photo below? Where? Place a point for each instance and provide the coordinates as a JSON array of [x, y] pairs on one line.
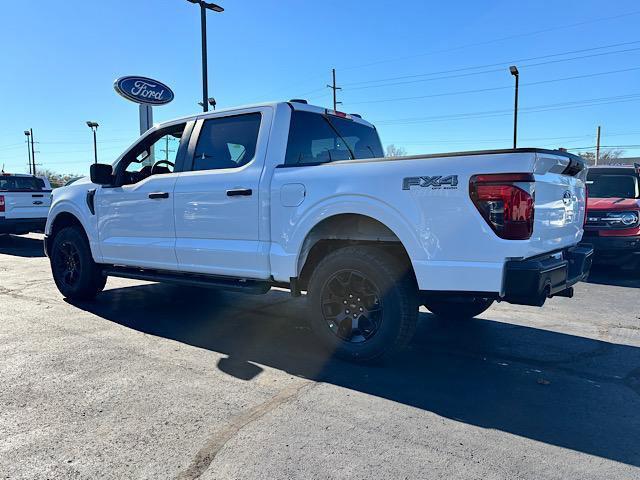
[[101, 173]]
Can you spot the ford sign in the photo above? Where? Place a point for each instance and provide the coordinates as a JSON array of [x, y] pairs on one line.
[[143, 90]]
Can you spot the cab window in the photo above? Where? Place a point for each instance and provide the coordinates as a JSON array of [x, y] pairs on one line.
[[154, 155], [227, 142], [315, 138]]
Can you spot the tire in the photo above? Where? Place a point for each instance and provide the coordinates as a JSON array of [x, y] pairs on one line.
[[76, 275], [458, 309], [383, 296]]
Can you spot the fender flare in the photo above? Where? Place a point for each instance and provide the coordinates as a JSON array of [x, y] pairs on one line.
[[363, 205], [70, 208]]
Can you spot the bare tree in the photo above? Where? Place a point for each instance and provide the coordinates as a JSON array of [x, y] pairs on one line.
[[607, 157], [57, 179], [393, 151]]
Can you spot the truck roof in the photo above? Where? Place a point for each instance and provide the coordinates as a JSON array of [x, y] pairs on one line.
[[293, 104], [7, 174], [612, 167]]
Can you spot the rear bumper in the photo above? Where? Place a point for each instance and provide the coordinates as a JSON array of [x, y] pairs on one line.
[[22, 225], [532, 281], [615, 251]]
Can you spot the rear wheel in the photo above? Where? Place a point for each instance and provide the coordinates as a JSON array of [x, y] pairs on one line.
[[363, 303], [75, 273], [458, 308]]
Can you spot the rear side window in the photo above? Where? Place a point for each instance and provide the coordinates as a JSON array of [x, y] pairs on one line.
[[227, 142], [316, 138], [25, 184]]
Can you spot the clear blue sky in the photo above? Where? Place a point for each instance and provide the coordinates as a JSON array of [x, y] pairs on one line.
[[59, 61]]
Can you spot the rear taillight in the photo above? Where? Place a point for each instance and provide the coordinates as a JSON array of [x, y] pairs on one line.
[[506, 202], [1, 203]]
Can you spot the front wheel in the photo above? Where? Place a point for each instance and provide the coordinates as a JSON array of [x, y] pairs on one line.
[[459, 308], [363, 303], [75, 273]]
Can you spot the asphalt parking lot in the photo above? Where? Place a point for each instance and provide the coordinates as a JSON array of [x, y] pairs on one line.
[[156, 381]]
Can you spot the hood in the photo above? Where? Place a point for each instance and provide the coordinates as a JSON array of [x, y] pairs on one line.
[[616, 203]]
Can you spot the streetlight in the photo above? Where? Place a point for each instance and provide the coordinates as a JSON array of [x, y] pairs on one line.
[[204, 6], [212, 102], [94, 128], [27, 134], [514, 71]]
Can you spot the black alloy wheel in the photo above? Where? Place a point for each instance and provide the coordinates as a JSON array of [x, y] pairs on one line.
[[67, 264], [352, 306]]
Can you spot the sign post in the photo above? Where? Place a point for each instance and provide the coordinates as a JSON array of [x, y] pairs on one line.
[[146, 117]]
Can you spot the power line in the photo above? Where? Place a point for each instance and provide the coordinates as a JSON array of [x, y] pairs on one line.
[[496, 40], [501, 113], [587, 102], [461, 47], [604, 146], [491, 89], [493, 70]]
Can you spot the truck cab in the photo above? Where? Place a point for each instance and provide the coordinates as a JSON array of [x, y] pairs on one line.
[[613, 215]]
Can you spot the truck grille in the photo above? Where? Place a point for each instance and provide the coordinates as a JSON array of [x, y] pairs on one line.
[[611, 220]]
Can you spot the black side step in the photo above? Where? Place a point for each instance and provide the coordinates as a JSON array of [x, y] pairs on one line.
[[256, 287]]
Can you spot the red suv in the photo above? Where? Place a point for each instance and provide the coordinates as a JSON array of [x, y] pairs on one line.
[[612, 224]]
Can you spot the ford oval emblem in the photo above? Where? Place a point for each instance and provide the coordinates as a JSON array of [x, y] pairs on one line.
[[143, 90], [567, 197]]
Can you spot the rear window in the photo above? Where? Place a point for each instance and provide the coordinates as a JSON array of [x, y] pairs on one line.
[[613, 185], [24, 184], [315, 138]]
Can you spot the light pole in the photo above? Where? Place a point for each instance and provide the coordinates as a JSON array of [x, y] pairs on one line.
[[27, 134], [204, 6], [94, 128], [212, 102], [514, 71]]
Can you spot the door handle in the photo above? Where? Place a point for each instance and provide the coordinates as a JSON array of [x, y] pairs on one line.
[[239, 192], [159, 195]]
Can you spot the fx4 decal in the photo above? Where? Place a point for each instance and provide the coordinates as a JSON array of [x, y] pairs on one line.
[[450, 181]]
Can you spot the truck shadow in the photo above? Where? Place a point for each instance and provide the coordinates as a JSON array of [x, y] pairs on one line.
[[564, 390], [614, 276], [21, 246]]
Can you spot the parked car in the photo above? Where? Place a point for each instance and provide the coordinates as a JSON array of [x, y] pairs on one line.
[[24, 203], [613, 215], [294, 195]]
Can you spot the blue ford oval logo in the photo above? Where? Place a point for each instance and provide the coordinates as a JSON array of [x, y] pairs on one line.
[[143, 90]]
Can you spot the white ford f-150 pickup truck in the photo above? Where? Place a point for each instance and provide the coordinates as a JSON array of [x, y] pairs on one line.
[[297, 196], [24, 203]]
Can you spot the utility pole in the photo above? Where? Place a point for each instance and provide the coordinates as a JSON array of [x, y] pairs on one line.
[[27, 134], [335, 89], [598, 145], [33, 151], [166, 148]]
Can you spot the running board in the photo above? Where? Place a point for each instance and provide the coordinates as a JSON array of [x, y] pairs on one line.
[[257, 287]]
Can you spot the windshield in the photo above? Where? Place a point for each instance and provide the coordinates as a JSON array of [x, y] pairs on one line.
[[612, 185], [316, 138]]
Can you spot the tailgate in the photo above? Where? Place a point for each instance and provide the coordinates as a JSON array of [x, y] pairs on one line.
[[26, 204], [560, 202]]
